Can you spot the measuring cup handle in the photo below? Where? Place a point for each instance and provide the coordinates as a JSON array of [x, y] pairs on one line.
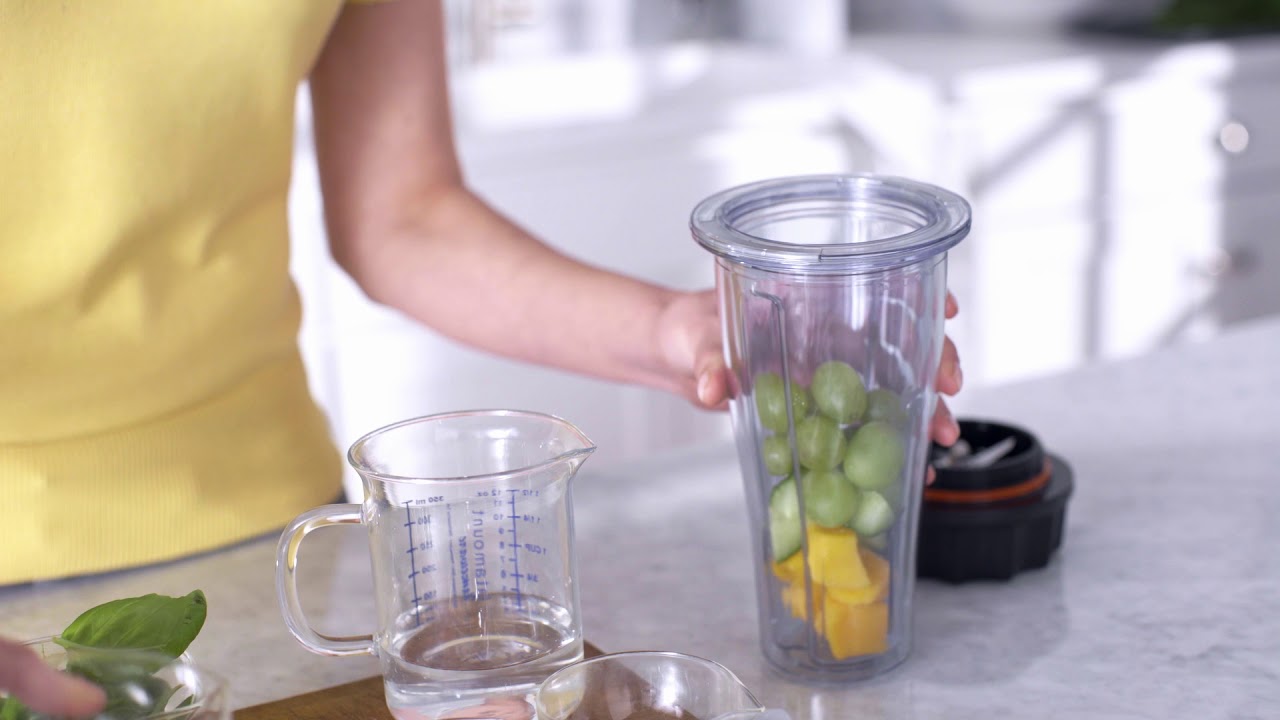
[[287, 581]]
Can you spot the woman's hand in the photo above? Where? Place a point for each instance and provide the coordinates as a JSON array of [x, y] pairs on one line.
[[42, 688], [690, 342], [943, 428]]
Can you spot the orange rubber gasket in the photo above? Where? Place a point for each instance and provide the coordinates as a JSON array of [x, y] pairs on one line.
[[974, 497]]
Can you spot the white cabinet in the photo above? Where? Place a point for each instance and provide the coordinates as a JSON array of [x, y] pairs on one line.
[[1045, 297], [1122, 192]]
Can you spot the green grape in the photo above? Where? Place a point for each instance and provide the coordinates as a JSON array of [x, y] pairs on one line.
[[802, 402], [875, 542], [785, 527], [838, 392], [885, 406], [777, 455], [874, 514], [771, 404], [819, 443], [829, 499], [892, 494], [874, 456]]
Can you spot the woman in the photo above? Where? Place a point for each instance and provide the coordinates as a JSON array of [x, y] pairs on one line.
[[155, 403]]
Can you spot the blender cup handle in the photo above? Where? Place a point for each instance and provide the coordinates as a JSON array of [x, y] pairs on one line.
[[287, 581]]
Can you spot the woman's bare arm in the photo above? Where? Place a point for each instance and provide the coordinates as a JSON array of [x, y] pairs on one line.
[[404, 225]]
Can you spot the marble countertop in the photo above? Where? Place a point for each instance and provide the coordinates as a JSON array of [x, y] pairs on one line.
[[1162, 603]]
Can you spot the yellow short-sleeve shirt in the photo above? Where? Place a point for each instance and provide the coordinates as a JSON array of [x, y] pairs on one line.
[[152, 399]]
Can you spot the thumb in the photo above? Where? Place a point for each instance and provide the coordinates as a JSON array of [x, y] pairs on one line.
[[42, 688], [689, 336], [709, 370], [713, 380]]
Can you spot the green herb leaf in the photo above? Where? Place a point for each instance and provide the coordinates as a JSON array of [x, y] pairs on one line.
[[136, 699], [151, 622], [11, 709], [161, 693], [132, 691]]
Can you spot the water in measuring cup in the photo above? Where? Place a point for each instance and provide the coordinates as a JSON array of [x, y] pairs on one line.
[[490, 653]]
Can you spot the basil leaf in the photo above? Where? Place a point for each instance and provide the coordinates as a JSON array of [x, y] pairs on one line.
[[132, 691], [11, 709], [160, 693], [151, 622], [133, 700], [111, 665]]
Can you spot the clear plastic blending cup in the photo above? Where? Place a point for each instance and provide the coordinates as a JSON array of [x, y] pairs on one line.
[[832, 291], [471, 539]]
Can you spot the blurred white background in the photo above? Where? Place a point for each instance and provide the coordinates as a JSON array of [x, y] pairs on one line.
[[1123, 186]]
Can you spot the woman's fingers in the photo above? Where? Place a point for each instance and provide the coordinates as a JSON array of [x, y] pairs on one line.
[[943, 427], [42, 688], [950, 378]]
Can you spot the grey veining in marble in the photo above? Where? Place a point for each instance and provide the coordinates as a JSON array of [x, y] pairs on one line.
[[1164, 603]]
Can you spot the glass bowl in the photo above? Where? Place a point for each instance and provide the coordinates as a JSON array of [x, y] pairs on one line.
[[646, 685], [141, 684]]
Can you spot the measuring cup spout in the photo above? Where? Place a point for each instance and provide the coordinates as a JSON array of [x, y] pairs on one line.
[[571, 445], [574, 459]]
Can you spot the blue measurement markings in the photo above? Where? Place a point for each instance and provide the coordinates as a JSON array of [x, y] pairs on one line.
[[515, 549], [418, 565], [519, 579], [413, 564]]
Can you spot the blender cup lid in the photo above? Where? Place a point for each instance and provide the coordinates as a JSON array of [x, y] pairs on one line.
[[830, 223]]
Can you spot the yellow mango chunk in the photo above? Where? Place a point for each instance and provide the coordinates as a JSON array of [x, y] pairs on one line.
[[791, 570], [834, 560], [853, 619], [877, 589], [793, 598], [852, 630], [789, 600]]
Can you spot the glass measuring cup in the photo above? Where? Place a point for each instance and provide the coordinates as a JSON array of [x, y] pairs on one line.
[[831, 292], [471, 540], [648, 686]]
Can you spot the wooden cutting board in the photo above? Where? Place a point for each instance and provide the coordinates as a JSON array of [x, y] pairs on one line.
[[359, 700]]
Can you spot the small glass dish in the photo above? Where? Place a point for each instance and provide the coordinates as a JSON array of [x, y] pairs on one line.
[[140, 684], [650, 685]]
